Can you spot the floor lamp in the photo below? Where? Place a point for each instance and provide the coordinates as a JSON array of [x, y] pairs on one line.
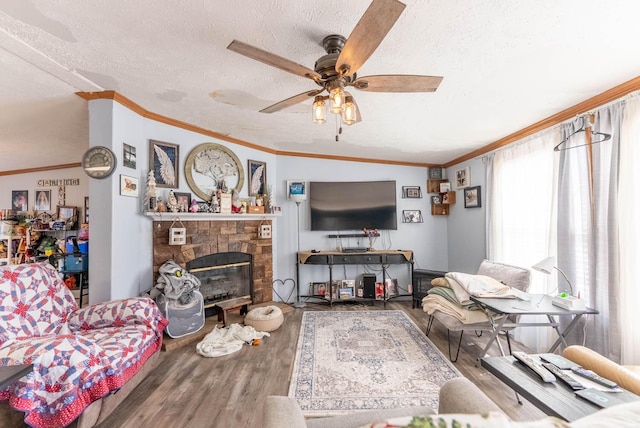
[[298, 303]]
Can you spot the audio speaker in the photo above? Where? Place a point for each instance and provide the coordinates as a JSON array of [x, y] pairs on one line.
[[369, 285]]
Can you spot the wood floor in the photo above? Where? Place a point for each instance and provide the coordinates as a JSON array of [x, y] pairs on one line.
[[187, 390]]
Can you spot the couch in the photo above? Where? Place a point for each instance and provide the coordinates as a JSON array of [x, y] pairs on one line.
[[628, 377], [461, 403], [81, 357]]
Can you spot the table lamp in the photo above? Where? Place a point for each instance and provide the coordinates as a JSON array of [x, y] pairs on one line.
[[562, 300]]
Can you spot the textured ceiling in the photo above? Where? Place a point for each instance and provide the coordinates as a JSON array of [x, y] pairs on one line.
[[506, 64]]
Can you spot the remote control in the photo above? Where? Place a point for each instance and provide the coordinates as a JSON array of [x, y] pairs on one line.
[[594, 377], [534, 365], [558, 361], [571, 382]]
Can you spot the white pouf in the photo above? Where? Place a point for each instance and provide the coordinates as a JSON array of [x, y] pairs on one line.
[[266, 318]]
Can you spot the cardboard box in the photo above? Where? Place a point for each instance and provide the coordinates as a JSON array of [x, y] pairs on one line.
[[254, 209]]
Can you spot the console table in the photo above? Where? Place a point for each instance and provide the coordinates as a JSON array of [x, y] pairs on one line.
[[332, 258]]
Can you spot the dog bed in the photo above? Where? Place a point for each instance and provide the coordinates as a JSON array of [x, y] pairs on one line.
[[266, 318]]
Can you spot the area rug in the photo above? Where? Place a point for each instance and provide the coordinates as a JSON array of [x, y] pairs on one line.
[[360, 360]]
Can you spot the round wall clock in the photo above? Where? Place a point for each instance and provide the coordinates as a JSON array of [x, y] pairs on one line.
[[98, 162], [208, 166]]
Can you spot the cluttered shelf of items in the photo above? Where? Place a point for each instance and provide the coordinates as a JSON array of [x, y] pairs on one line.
[[27, 237]]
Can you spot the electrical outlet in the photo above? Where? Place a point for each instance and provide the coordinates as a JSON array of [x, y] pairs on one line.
[[264, 232]]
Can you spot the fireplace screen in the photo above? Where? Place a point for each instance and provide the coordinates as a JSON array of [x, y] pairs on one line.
[[223, 276]]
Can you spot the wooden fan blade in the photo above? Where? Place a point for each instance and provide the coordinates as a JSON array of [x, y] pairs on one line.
[[291, 101], [397, 83], [368, 34], [272, 60]]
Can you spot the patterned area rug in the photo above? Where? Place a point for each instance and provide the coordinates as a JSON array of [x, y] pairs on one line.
[[361, 360]]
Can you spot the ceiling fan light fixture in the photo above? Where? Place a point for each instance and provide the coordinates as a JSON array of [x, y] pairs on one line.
[[336, 95], [319, 111], [349, 112]]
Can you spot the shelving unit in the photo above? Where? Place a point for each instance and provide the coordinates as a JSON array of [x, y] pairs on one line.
[[446, 198], [332, 258], [9, 239]]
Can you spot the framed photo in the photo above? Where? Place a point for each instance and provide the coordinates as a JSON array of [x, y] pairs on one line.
[[411, 216], [128, 156], [184, 201], [20, 200], [66, 213], [392, 287], [445, 187], [296, 190], [472, 197], [42, 200], [163, 161], [319, 289], [411, 192], [347, 293], [436, 200], [463, 178], [257, 174], [128, 185], [435, 173]]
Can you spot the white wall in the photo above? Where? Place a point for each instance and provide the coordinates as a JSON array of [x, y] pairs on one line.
[[74, 195], [466, 231], [121, 237], [428, 240], [122, 265]]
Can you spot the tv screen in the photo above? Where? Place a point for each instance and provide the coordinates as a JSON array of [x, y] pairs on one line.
[[353, 205]]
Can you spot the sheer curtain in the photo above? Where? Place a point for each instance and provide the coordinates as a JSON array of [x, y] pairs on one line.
[[629, 226], [583, 206], [521, 215]]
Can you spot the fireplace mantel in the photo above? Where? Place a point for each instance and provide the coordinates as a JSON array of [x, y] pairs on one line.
[[168, 216]]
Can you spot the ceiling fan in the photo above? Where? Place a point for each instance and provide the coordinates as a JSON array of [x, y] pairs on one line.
[[337, 69]]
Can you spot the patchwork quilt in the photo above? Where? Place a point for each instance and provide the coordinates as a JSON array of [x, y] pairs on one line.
[[79, 355]]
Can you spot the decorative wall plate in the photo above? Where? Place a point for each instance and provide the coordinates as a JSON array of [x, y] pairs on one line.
[[208, 165]]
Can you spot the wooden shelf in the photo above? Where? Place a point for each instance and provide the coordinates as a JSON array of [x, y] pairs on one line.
[[440, 209], [167, 216], [433, 186]]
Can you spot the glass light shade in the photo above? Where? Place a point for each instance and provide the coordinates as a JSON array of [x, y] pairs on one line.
[[319, 111], [336, 95], [349, 114]]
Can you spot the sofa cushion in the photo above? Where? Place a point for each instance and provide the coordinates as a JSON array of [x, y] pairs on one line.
[[513, 276], [622, 416], [33, 301]]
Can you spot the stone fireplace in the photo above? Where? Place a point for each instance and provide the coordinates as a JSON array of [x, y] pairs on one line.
[[227, 238]]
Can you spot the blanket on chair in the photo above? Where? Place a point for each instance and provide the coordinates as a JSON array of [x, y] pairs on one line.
[[465, 285]]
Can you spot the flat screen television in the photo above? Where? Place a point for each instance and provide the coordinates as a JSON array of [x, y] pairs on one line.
[[353, 205]]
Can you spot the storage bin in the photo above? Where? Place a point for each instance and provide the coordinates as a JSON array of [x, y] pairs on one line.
[[83, 245], [76, 264]]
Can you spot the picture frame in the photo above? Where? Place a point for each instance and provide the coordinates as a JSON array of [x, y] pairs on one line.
[[163, 161], [347, 293], [435, 173], [20, 200], [86, 209], [463, 178], [436, 200], [392, 287], [411, 192], [129, 186], [412, 216], [67, 213], [129, 156], [42, 200], [319, 289], [445, 187], [472, 197], [257, 175], [296, 190], [184, 201]]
